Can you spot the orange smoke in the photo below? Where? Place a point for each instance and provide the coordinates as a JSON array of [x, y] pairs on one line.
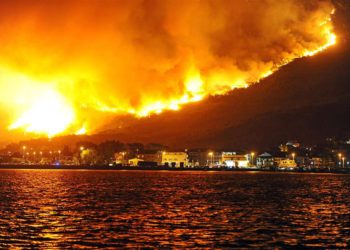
[[64, 63]]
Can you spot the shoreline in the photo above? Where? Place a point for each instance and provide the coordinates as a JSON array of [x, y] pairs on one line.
[[162, 168]]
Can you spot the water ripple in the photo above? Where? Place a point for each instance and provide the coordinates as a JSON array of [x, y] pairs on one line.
[[113, 209]]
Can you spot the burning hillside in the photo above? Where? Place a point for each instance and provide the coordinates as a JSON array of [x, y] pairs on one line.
[[66, 65]]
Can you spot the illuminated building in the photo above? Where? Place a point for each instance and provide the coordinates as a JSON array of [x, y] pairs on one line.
[[175, 159], [232, 159], [287, 163], [134, 162], [317, 162], [121, 157], [265, 160]]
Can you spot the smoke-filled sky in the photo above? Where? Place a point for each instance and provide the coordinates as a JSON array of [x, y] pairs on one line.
[[67, 65]]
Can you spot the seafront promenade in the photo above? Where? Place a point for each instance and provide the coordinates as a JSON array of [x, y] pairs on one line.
[[166, 168]]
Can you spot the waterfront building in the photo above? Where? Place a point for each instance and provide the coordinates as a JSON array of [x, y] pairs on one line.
[[234, 160], [134, 162], [175, 159], [121, 157], [153, 156], [265, 160], [64, 160], [278, 157], [317, 162], [287, 164]]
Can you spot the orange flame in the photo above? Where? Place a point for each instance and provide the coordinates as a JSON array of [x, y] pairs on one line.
[[166, 60]]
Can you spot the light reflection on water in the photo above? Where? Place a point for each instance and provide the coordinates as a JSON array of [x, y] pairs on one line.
[[96, 209]]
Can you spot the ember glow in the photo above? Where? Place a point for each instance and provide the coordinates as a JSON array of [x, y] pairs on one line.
[[48, 113], [64, 62]]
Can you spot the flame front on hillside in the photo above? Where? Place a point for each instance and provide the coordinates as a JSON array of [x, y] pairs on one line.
[[62, 63]]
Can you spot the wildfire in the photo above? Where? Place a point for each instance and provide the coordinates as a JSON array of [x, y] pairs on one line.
[[327, 33], [193, 93], [194, 83], [332, 40], [81, 131], [57, 74], [50, 113]]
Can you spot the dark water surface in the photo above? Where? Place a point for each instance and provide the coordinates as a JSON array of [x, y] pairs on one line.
[[95, 209]]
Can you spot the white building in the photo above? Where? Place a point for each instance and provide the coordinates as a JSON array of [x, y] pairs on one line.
[[175, 159], [265, 160], [232, 159]]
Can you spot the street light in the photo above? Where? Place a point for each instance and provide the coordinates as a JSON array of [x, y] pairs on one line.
[[340, 158], [343, 162], [252, 154], [24, 149], [211, 154], [293, 156], [123, 154], [162, 157]]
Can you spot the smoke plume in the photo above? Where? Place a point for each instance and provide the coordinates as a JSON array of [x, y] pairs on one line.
[[96, 57]]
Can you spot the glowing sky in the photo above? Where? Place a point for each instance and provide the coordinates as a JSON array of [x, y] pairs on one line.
[[66, 66]]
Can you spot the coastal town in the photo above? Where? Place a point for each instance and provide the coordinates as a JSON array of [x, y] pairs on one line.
[[290, 156]]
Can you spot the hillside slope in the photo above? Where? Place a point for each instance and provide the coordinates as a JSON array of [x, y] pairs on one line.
[[309, 87]]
